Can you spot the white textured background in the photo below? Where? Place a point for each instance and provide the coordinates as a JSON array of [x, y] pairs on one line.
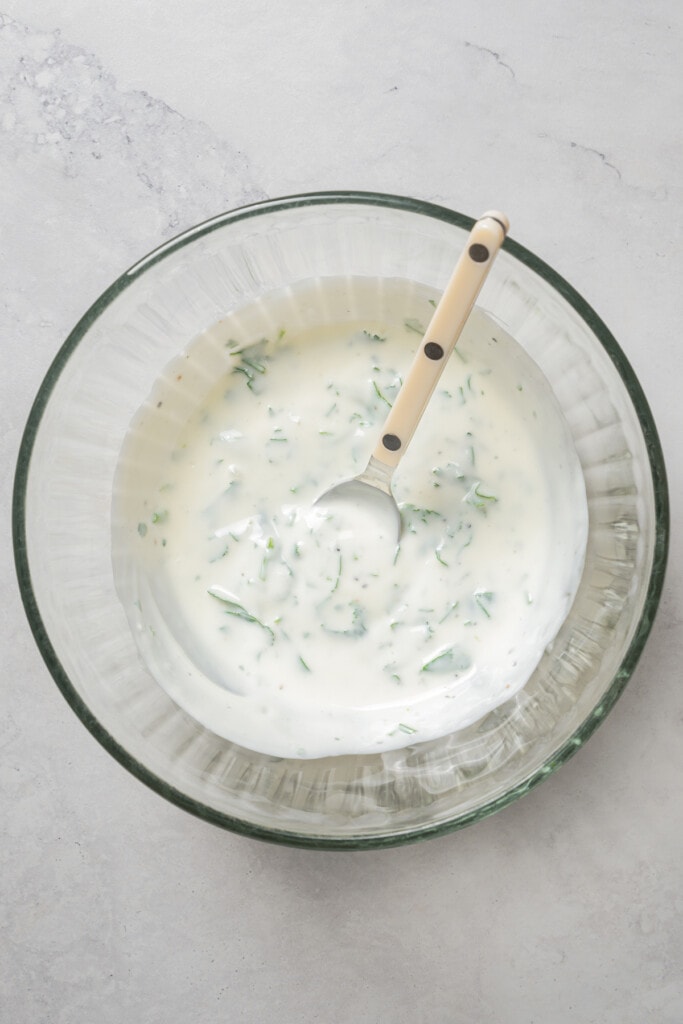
[[122, 124]]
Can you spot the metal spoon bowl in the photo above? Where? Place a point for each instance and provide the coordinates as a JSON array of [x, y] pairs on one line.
[[369, 494]]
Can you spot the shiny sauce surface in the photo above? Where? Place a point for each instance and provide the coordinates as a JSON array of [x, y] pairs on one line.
[[298, 630]]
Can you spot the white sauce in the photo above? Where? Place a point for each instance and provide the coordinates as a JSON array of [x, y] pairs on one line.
[[297, 631]]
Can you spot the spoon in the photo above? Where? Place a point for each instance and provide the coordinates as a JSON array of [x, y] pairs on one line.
[[371, 489]]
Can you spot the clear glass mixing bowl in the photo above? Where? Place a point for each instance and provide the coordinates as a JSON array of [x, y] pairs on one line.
[[62, 526]]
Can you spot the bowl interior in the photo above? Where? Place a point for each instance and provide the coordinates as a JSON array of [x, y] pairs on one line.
[[68, 460]]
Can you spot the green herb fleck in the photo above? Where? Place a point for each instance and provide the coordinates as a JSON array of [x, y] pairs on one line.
[[412, 324], [452, 659], [357, 627], [449, 612], [250, 376], [253, 364], [142, 529], [231, 607], [414, 512], [475, 496], [484, 599], [380, 394], [339, 572]]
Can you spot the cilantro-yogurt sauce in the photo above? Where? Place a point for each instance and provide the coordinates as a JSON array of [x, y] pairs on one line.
[[299, 630]]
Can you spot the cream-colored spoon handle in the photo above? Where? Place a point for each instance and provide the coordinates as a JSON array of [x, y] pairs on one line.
[[439, 340]]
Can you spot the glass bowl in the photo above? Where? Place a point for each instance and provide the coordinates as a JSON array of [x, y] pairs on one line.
[[62, 526]]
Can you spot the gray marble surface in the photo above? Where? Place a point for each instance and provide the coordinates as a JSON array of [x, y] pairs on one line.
[[122, 124]]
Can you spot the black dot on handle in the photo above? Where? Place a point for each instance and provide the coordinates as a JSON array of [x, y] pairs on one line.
[[433, 351], [478, 252], [391, 442]]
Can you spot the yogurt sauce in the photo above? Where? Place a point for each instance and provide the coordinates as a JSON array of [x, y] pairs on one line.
[[295, 630]]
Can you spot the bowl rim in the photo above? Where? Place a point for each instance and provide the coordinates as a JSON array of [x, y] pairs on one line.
[[286, 837]]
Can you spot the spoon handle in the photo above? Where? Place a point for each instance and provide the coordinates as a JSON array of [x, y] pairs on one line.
[[439, 340]]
